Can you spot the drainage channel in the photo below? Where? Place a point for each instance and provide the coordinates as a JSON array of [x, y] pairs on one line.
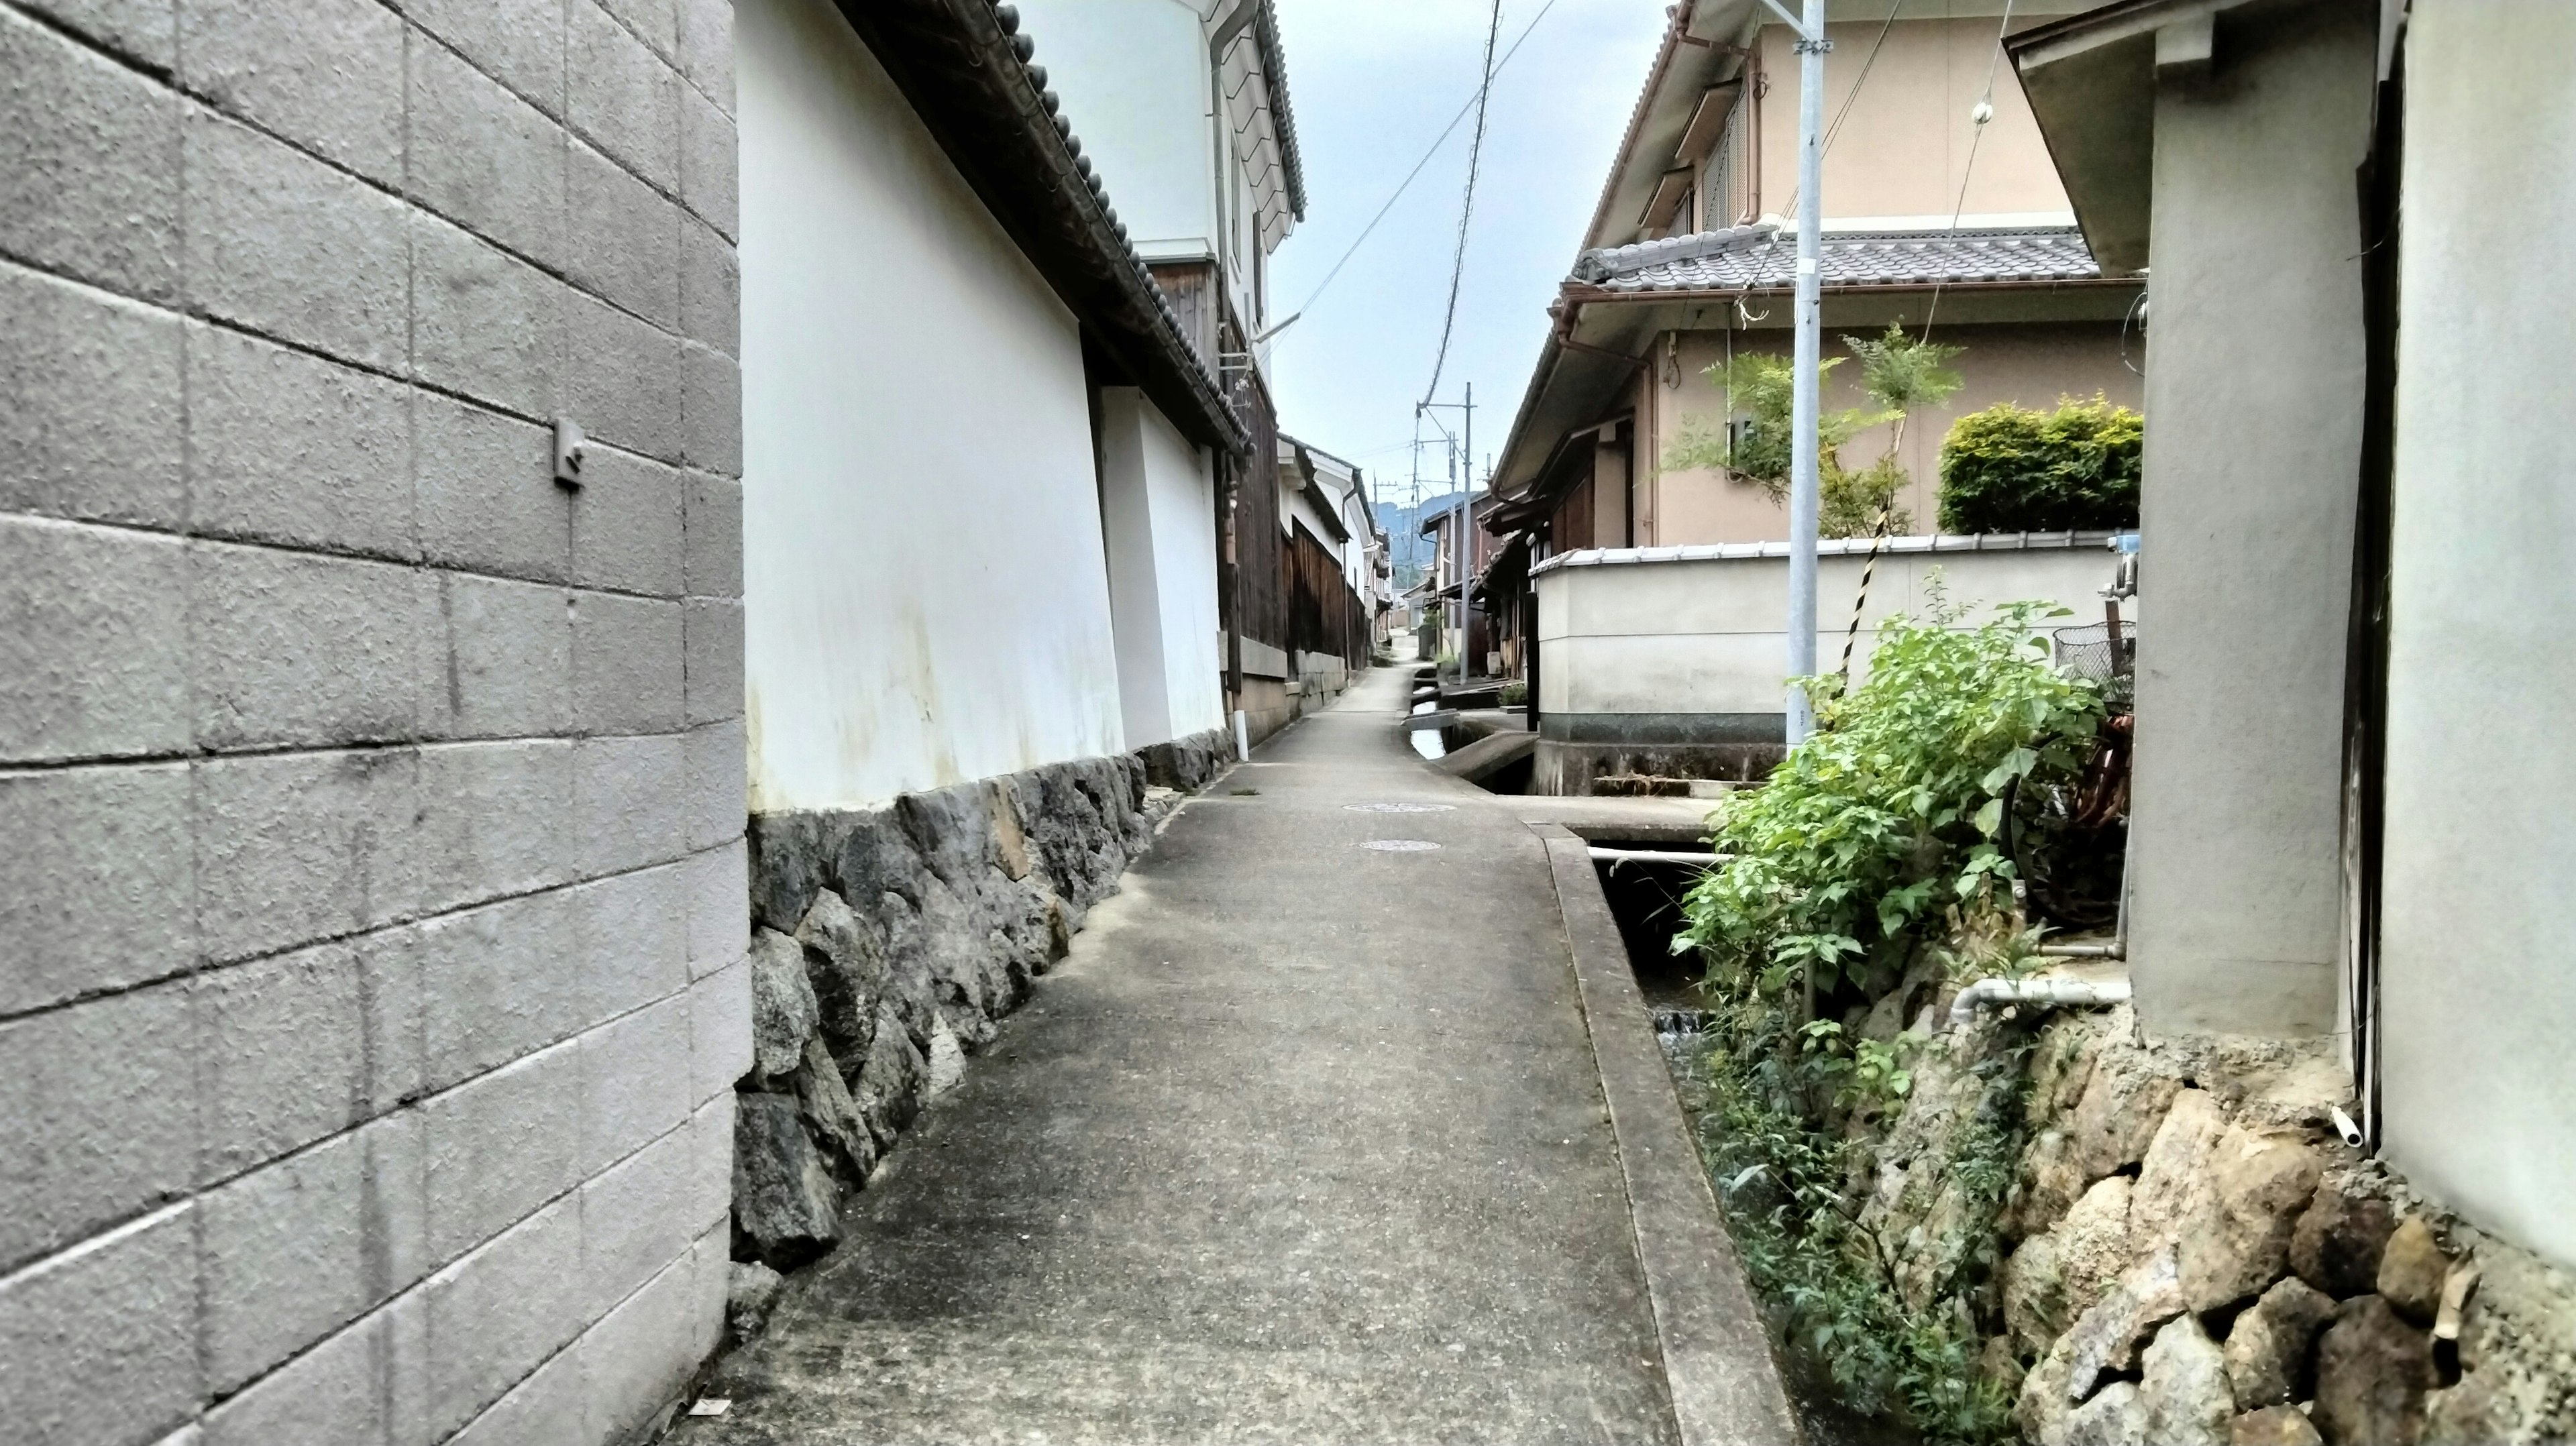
[[1645, 887]]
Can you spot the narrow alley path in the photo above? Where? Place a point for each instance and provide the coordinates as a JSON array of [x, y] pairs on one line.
[[1303, 1143]]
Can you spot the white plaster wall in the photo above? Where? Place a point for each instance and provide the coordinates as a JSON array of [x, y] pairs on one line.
[[1158, 505], [1137, 85], [2252, 458], [925, 597], [1711, 636], [2477, 1001]]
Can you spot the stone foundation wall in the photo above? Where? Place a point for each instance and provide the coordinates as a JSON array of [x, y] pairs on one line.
[[2190, 1254], [886, 947]]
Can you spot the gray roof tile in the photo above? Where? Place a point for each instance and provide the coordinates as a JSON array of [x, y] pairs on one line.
[[1763, 258]]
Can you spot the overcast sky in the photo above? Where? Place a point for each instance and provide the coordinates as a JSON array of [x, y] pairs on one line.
[[1372, 82]]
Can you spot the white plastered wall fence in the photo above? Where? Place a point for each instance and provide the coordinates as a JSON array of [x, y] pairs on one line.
[[1158, 507], [2477, 999], [371, 884], [927, 594], [1633, 640]]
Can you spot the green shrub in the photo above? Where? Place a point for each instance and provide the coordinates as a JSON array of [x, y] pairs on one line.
[[2011, 469], [1887, 815]]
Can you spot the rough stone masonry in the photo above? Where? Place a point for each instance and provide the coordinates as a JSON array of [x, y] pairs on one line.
[[889, 943], [372, 893]]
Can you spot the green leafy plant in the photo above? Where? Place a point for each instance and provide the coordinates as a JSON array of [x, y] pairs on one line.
[[1899, 375], [1889, 813], [2012, 469]]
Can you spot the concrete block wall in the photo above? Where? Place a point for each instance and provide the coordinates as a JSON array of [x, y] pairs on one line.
[[372, 887]]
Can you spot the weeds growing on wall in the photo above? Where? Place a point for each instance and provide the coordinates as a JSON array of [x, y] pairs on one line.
[[1872, 849], [1783, 1169], [2012, 469]]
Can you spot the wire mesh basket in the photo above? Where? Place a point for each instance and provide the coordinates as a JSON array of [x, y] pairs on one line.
[[2091, 652]]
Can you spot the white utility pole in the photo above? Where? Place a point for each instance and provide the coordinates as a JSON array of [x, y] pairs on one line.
[[1812, 46]]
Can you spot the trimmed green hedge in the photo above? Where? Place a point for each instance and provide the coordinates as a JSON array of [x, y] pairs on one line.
[[2011, 469]]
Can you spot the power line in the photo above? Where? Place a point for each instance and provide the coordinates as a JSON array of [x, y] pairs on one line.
[[1474, 101], [1984, 112], [1466, 209]]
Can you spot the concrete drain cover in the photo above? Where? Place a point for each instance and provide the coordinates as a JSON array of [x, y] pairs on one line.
[[1399, 845], [1401, 807]]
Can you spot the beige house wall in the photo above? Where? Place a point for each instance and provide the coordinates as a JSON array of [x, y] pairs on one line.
[[2027, 364], [1927, 77]]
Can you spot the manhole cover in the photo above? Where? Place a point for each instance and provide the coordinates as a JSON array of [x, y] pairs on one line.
[[1401, 807], [1399, 845]]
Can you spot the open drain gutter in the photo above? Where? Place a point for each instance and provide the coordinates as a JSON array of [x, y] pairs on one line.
[[1717, 1354]]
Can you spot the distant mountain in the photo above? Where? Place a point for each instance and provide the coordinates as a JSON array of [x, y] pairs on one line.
[[1407, 549]]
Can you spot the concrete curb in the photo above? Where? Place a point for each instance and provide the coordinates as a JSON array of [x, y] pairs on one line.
[[1717, 1355]]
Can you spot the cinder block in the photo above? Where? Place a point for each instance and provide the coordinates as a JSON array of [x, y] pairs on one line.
[[624, 238], [641, 1356], [637, 1077], [706, 49], [93, 642], [627, 525], [325, 74], [500, 1145], [712, 402], [298, 846], [710, 1260], [519, 44], [89, 160], [286, 447], [715, 659], [632, 941], [497, 1314], [141, 30], [499, 983], [714, 536], [296, 1250], [285, 246], [283, 1057], [105, 902], [719, 889], [485, 324], [99, 1343], [349, 1389], [622, 97], [718, 782], [720, 1026], [710, 288], [98, 1116], [488, 498], [90, 414], [709, 168], [710, 1197], [547, 1407], [495, 819], [636, 1218], [483, 157], [298, 649], [390, 997], [623, 379], [508, 659], [630, 802], [653, 22], [627, 674]]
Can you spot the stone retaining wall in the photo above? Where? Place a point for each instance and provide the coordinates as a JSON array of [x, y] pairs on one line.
[[2195, 1256], [887, 944]]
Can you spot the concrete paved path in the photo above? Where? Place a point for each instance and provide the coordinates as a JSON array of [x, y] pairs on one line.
[[1304, 1143]]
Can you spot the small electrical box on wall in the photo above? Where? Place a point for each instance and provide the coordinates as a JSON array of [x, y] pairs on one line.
[[570, 444]]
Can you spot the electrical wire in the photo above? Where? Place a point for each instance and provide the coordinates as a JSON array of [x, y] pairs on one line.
[[1434, 149], [1984, 113], [1852, 94], [1466, 206]]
